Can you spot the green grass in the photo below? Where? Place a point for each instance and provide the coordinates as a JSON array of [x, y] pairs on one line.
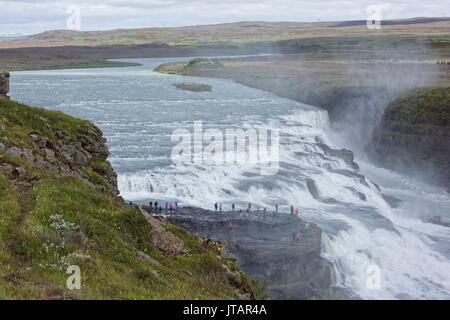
[[428, 107], [17, 121], [48, 222]]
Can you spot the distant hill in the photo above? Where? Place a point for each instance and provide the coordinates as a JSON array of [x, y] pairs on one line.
[[233, 33], [390, 22]]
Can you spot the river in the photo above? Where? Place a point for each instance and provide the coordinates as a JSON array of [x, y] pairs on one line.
[[378, 252]]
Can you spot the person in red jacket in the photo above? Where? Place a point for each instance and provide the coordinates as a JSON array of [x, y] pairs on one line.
[[296, 212], [230, 226]]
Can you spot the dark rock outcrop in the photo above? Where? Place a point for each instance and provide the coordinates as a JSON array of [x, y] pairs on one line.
[[264, 247], [86, 160], [4, 85], [346, 155]]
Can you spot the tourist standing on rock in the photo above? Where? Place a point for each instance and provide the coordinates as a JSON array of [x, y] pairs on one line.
[[232, 207], [297, 237], [215, 206], [293, 236], [175, 207], [150, 206], [156, 206], [240, 212], [249, 206], [247, 212], [230, 226], [296, 212], [292, 209], [220, 207], [176, 204], [160, 209], [171, 207], [276, 208], [167, 206], [264, 213]]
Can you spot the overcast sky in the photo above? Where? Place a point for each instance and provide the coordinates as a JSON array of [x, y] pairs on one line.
[[34, 16]]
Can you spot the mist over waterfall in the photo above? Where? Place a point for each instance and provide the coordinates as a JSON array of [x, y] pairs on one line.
[[364, 211]]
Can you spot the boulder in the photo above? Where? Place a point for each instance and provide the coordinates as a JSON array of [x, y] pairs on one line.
[[19, 172], [14, 152], [147, 258], [66, 153], [165, 242], [81, 158], [40, 141], [49, 154]]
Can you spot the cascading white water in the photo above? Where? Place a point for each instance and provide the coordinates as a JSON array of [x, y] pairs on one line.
[[138, 110], [372, 234]]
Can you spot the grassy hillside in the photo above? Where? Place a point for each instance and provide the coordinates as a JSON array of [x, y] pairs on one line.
[[50, 220], [426, 107]]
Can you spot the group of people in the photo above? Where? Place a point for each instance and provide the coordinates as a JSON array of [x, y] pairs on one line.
[[219, 207], [296, 235], [172, 207], [153, 207], [292, 210]]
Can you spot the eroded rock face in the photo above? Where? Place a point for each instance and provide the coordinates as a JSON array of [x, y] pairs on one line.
[[265, 247], [346, 155], [85, 157], [4, 85], [414, 135]]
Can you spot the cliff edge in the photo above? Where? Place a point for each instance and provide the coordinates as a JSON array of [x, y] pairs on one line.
[[60, 211], [414, 134]]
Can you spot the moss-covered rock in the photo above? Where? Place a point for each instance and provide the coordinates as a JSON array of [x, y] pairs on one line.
[[194, 87]]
